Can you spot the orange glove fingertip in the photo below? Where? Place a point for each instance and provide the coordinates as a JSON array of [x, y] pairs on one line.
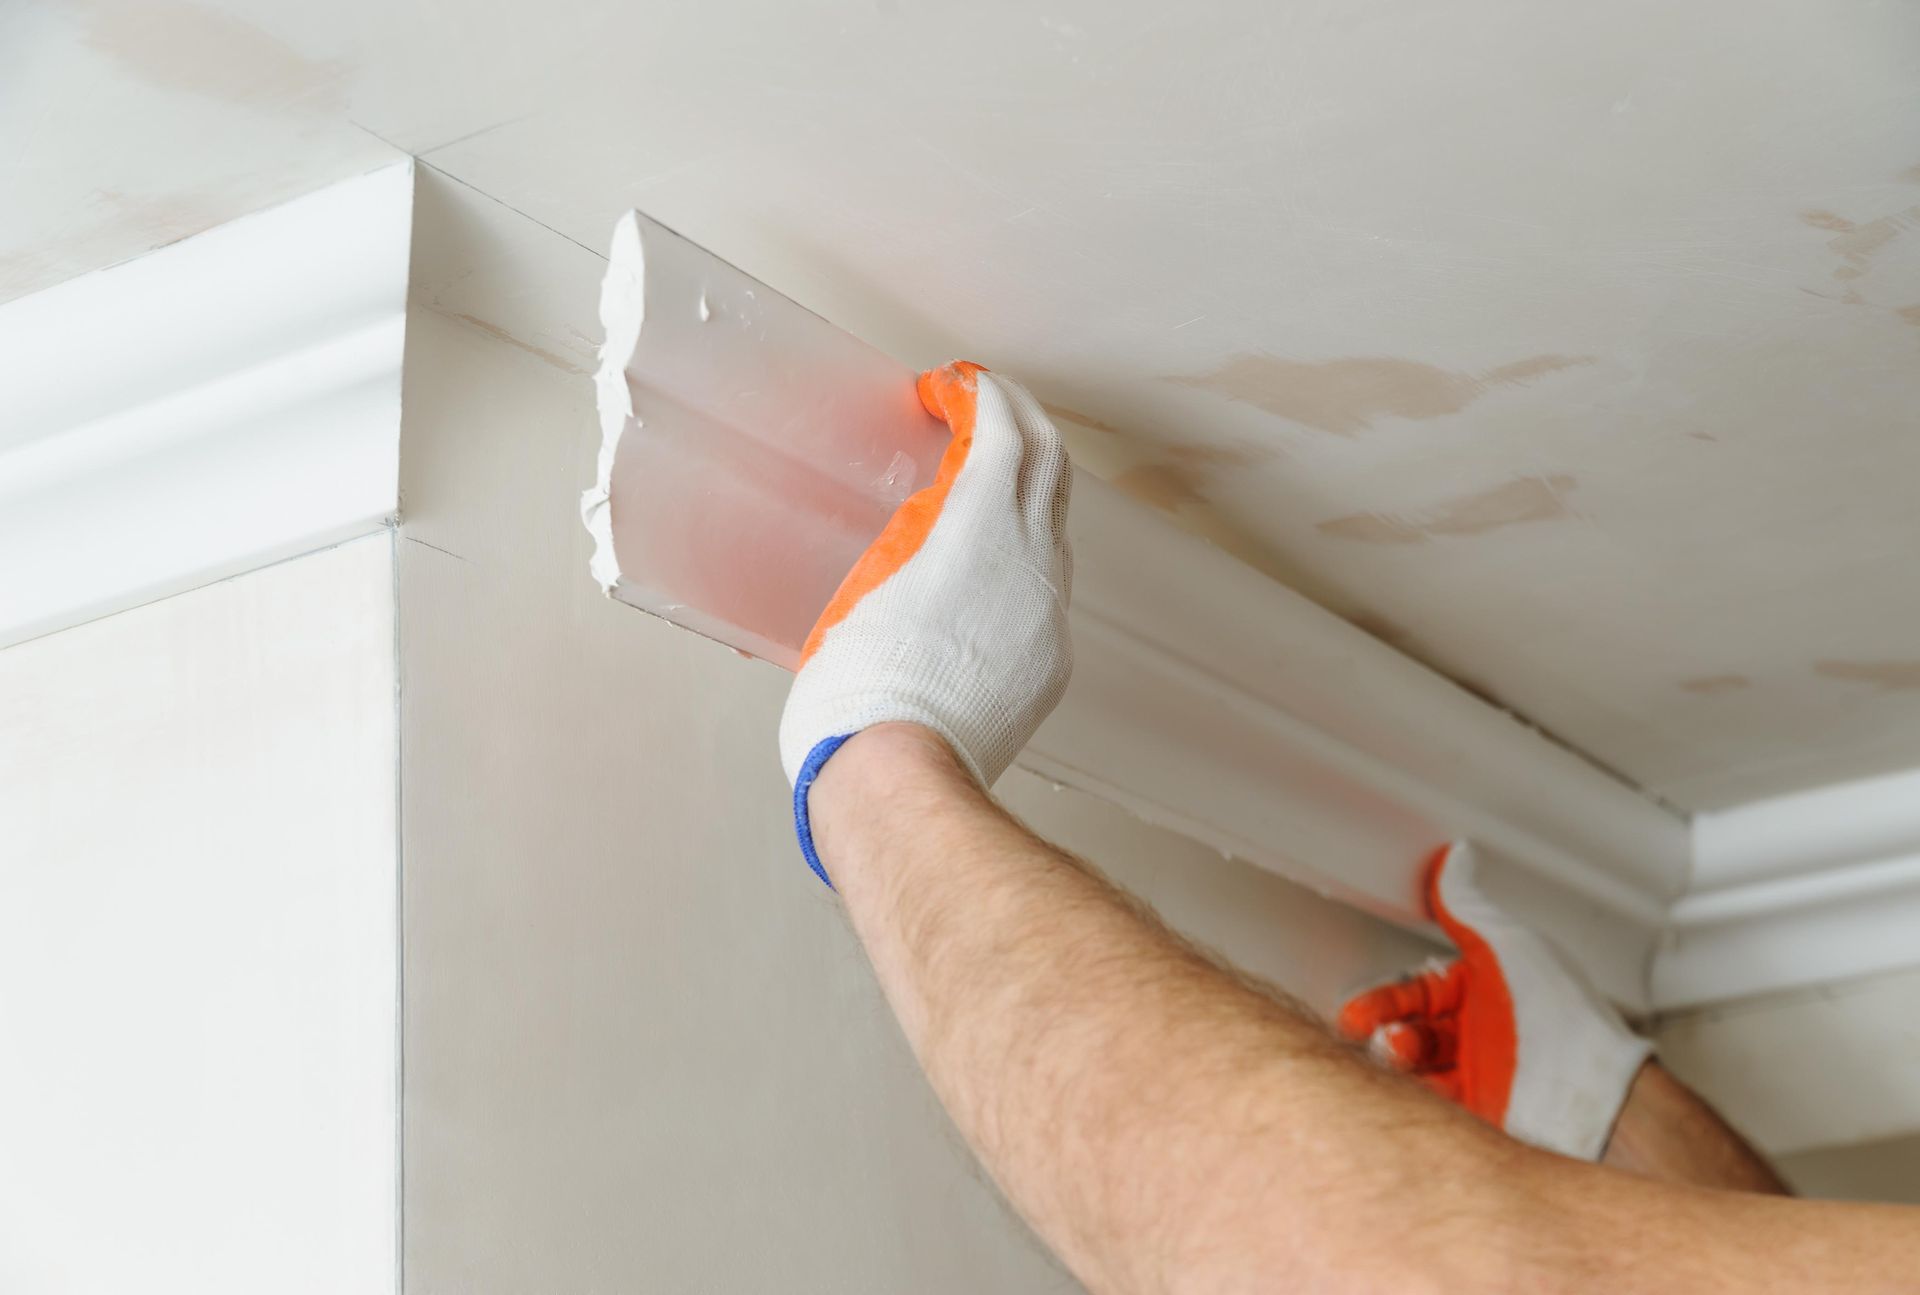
[[1430, 883], [948, 390]]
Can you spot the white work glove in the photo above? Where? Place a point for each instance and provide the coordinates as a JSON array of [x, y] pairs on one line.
[[1508, 1029], [956, 616]]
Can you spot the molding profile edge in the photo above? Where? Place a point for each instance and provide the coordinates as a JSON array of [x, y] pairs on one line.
[[211, 407], [1805, 889]]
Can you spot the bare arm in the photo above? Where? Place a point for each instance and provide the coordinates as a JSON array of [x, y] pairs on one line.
[[1666, 1131], [1167, 1126]]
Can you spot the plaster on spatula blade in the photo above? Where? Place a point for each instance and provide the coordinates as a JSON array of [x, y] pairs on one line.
[[750, 450]]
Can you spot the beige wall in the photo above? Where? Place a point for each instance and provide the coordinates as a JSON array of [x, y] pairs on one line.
[[197, 962], [1873, 1171], [1837, 1065], [643, 1051]]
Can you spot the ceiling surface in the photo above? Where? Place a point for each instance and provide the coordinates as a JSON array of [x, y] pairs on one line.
[[1573, 349]]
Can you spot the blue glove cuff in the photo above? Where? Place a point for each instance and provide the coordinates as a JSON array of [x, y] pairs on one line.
[[802, 825]]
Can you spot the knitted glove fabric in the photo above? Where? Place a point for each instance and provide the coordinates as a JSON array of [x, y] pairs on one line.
[[956, 616], [1508, 1029]]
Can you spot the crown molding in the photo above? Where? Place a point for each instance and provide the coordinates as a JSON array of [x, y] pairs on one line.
[[1821, 829], [213, 406], [1797, 890], [750, 452], [1208, 699], [235, 399]]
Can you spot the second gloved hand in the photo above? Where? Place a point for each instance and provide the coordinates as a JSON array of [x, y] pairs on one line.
[[1509, 1029], [956, 617]]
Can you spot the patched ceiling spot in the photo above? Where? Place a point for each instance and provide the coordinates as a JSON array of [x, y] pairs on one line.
[[161, 218], [1345, 396], [1711, 684], [1893, 676], [200, 50], [1524, 499], [1182, 476], [1165, 486], [1083, 420], [1859, 244], [1220, 456]]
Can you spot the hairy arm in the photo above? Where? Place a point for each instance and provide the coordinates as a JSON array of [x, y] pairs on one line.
[[1170, 1127]]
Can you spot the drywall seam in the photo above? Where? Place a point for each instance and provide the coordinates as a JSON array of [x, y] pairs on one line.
[[236, 401], [399, 915]]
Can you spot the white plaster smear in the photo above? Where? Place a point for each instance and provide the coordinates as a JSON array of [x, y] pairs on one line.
[[623, 311]]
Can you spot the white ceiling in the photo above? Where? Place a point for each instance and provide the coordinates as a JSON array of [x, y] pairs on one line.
[[1573, 348]]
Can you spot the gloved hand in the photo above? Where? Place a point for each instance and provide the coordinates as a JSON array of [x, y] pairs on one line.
[[956, 616], [1508, 1029]]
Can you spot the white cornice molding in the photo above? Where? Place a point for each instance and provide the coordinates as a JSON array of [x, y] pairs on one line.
[[236, 398], [1210, 700], [210, 407], [750, 451], [1826, 827], [1797, 890]]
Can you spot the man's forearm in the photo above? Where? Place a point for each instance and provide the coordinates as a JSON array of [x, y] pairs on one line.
[[1167, 1126], [1163, 1124]]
